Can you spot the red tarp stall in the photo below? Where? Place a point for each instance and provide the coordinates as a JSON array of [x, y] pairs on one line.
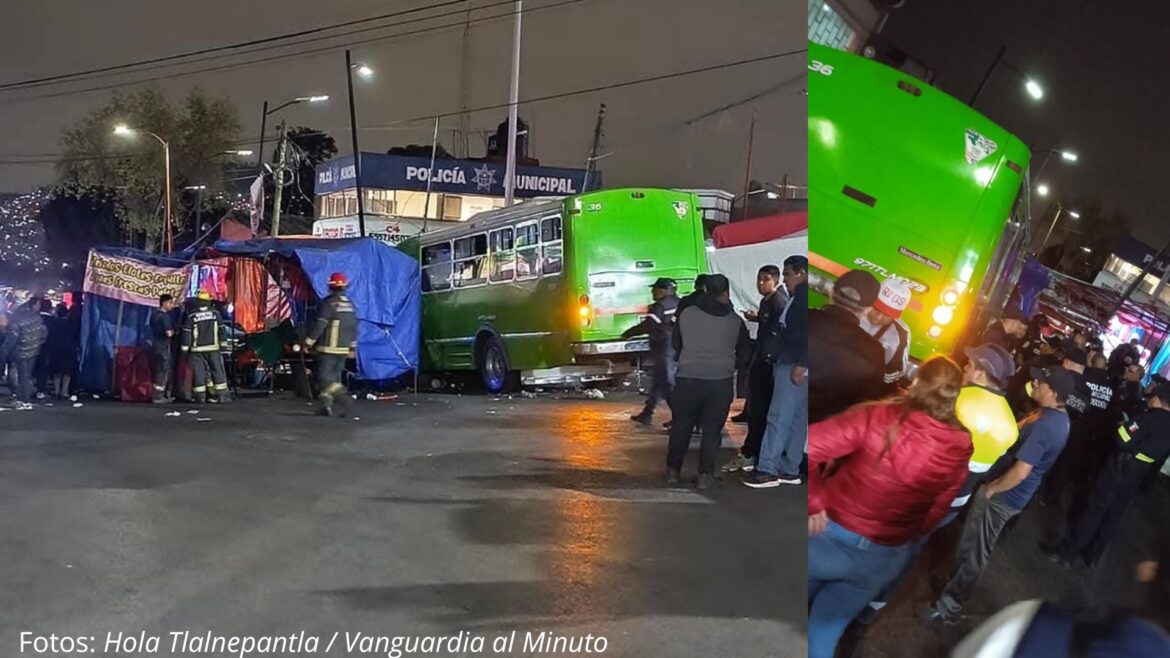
[[761, 229]]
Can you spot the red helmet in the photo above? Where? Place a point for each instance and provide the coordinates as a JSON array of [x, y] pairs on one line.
[[338, 280]]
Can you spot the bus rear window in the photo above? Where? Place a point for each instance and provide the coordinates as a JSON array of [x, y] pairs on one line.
[[552, 247], [436, 270], [503, 255], [470, 257]]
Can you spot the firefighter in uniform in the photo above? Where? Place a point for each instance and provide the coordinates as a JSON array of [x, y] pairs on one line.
[[333, 337], [1143, 446], [659, 324], [201, 342]]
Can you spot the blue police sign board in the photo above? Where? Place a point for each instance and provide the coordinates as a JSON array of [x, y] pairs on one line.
[[397, 172]]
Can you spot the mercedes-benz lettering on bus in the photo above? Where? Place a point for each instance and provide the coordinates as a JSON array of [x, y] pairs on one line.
[[906, 181], [541, 292]]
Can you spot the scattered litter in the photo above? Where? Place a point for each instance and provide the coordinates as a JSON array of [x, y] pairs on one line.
[[400, 404], [378, 398], [527, 394], [68, 566], [491, 411], [172, 414], [48, 404], [5, 409], [97, 397], [594, 394], [509, 397], [354, 396], [357, 417], [193, 411], [73, 398], [77, 405], [626, 384], [540, 390], [202, 419], [24, 408]]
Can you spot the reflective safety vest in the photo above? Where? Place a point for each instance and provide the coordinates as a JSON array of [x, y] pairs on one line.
[[201, 330], [992, 425], [1124, 433]]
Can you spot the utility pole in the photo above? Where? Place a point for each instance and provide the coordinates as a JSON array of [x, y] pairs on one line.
[[591, 164], [357, 154], [987, 76], [513, 108], [747, 177], [260, 148], [278, 176]]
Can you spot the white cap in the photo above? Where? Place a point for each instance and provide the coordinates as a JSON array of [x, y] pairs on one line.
[[893, 297]]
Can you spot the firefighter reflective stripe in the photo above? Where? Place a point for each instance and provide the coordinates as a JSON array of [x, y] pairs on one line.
[[334, 330], [200, 389], [979, 467], [1123, 432], [1142, 457], [205, 348], [221, 387]]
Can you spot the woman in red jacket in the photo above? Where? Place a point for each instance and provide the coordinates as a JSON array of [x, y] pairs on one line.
[[897, 467]]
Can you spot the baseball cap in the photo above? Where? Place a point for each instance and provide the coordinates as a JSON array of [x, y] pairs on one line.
[[665, 284], [856, 290], [1061, 381], [1074, 353], [994, 360], [893, 296], [1013, 312]]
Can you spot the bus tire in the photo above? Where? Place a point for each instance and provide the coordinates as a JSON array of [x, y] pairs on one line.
[[494, 370]]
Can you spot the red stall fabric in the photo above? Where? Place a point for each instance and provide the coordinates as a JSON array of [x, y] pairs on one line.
[[135, 374], [250, 285], [761, 229]]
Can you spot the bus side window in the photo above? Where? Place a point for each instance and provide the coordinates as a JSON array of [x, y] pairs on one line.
[[470, 261], [527, 250], [436, 267], [503, 255], [552, 245]]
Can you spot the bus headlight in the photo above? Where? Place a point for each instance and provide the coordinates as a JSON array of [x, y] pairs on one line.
[[950, 297], [934, 332], [585, 310], [943, 314]]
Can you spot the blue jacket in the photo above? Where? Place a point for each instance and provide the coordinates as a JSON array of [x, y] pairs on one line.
[[787, 342]]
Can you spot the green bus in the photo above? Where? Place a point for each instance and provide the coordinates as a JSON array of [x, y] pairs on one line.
[[906, 181], [541, 292]]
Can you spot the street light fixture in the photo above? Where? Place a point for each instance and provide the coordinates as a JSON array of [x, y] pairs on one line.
[[1042, 189], [363, 70], [1059, 210], [266, 112], [124, 131], [1067, 156], [1030, 85], [1034, 89]]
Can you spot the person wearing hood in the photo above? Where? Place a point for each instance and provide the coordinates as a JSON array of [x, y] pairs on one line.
[[711, 341], [899, 464], [846, 364], [24, 336], [1007, 331]]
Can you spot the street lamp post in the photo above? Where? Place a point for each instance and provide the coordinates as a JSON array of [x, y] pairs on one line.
[[126, 130], [365, 71], [1055, 218], [1031, 86], [264, 121], [1067, 156]]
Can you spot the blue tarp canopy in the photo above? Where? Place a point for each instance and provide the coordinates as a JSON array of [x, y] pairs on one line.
[[383, 284]]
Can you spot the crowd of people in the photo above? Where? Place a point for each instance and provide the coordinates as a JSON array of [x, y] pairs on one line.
[[698, 345], [38, 349], [1026, 413]]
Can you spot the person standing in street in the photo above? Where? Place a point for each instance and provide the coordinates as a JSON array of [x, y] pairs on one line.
[[899, 464], [846, 365], [1124, 355], [1042, 437], [884, 322], [786, 351], [333, 338], [24, 337], [1007, 331], [658, 324], [1131, 399], [162, 333], [202, 329], [711, 342], [62, 347], [1142, 446], [760, 386]]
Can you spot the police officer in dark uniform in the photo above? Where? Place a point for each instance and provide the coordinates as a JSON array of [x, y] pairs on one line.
[[201, 341], [658, 323], [162, 333], [1143, 444], [333, 337]]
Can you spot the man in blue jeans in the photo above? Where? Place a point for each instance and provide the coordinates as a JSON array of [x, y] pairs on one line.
[[786, 347]]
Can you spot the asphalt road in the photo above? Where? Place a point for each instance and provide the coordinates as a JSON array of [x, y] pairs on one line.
[[433, 516]]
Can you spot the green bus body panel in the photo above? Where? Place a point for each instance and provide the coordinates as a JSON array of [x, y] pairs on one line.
[[616, 243], [898, 186]]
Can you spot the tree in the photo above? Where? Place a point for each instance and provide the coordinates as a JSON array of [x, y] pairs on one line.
[[306, 149], [23, 257], [199, 129], [1095, 230]]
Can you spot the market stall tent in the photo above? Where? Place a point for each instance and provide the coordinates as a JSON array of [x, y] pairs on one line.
[[740, 249]]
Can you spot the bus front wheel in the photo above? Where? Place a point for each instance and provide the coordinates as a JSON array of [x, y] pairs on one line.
[[493, 366]]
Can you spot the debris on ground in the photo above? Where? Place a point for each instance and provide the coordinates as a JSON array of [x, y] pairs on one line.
[[172, 414], [73, 398], [97, 397], [382, 397], [528, 394], [594, 394], [357, 417], [202, 419], [492, 411], [193, 411], [77, 405]]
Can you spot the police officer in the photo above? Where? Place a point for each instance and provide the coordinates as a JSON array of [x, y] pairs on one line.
[[333, 337], [658, 323], [162, 332], [201, 341], [1143, 446]]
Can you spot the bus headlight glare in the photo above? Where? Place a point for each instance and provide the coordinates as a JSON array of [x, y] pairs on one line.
[[943, 314], [950, 298], [934, 332]]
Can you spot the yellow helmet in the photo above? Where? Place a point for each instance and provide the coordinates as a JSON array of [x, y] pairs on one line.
[[203, 296]]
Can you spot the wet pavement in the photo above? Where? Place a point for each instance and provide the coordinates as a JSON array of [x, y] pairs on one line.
[[1018, 571], [428, 516]]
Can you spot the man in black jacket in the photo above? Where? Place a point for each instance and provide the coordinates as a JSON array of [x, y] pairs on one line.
[[784, 345], [658, 323], [846, 364], [711, 342], [162, 334]]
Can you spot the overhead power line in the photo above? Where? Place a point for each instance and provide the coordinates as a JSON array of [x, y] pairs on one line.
[[303, 53]]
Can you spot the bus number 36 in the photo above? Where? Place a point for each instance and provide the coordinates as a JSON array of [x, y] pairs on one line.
[[820, 67]]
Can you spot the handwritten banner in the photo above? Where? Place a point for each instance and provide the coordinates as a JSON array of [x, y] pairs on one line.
[[130, 281]]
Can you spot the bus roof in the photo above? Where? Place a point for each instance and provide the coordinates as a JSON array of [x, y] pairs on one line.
[[489, 218]]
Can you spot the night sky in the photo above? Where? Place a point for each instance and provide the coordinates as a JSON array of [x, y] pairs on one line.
[[587, 44], [1104, 67]]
